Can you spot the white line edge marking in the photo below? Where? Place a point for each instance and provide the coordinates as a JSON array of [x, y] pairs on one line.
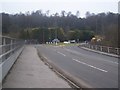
[[90, 65], [61, 53]]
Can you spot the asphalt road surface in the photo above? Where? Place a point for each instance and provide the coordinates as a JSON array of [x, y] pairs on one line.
[[96, 70]]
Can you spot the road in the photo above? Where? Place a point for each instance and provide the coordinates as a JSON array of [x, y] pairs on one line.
[[96, 70]]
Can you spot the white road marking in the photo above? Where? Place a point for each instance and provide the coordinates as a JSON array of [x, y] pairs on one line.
[[90, 65], [61, 53], [45, 57], [82, 54]]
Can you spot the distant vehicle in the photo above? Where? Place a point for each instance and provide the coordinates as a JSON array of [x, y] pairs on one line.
[[66, 42], [55, 40], [72, 41]]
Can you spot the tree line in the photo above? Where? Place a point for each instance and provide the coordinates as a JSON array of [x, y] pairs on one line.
[[43, 35], [43, 26]]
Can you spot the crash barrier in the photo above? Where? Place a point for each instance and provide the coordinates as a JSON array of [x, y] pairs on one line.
[[10, 49], [110, 50]]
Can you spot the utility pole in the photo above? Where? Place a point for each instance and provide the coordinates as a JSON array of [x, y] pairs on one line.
[[102, 26], [56, 33], [55, 25], [96, 26], [43, 37], [50, 35]]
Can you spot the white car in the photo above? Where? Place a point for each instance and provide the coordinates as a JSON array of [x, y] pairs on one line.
[[72, 41], [66, 42]]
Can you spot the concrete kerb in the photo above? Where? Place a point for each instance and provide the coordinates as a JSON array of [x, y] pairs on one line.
[[99, 52], [73, 81]]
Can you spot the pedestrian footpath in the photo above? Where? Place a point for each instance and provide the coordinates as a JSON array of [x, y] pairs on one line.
[[30, 72]]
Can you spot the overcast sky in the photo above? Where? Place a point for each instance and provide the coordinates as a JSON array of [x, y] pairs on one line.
[[94, 6]]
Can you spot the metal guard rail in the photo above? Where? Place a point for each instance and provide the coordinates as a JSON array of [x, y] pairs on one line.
[[106, 49], [8, 46]]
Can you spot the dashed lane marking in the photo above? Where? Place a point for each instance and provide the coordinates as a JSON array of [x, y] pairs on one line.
[[61, 53]]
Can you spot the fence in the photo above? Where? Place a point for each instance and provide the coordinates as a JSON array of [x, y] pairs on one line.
[[106, 49], [10, 48]]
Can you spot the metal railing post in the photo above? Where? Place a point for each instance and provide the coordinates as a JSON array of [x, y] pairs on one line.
[[11, 44], [4, 41], [92, 47], [117, 51], [89, 46], [108, 49], [3, 48], [95, 47], [100, 48]]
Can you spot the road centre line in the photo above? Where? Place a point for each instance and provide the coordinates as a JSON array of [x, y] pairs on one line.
[[61, 53], [90, 65]]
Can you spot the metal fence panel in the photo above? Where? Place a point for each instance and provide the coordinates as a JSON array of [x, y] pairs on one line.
[[106, 49]]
